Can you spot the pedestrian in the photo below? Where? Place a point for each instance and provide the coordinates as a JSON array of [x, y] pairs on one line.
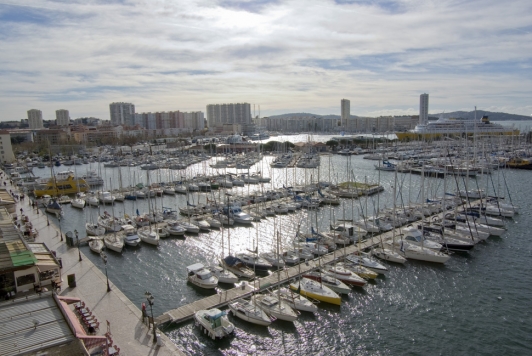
[[21, 211]]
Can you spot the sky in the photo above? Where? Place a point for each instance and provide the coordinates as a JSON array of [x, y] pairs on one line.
[[284, 56]]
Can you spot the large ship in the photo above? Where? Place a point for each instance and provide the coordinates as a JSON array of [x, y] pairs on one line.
[[62, 183], [453, 127]]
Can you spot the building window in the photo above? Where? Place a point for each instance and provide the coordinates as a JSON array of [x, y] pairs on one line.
[[27, 279]]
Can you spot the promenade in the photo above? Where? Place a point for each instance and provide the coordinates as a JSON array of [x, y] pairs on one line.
[[129, 332]]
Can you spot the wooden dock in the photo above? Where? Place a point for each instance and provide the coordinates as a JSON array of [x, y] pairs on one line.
[[279, 277]]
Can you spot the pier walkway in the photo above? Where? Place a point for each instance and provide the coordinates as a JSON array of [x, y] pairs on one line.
[[279, 277], [128, 330]]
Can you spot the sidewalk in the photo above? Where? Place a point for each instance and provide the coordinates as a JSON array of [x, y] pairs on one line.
[[129, 332]]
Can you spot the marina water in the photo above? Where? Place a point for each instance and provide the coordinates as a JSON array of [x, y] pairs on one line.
[[478, 303]]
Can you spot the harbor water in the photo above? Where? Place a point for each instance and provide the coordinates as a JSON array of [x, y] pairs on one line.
[[477, 303]]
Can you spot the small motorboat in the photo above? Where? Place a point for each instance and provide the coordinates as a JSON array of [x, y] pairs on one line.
[[200, 276], [131, 238], [214, 323]]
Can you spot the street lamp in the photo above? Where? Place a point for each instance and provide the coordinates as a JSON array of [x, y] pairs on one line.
[[60, 232], [150, 298], [104, 259], [77, 239]]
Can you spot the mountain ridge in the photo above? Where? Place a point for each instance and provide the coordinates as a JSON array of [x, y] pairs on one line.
[[494, 116]]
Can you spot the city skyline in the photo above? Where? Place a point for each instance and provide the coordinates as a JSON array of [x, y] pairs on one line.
[[295, 56]]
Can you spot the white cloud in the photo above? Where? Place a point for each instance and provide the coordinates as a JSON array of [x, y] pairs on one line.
[[286, 56]]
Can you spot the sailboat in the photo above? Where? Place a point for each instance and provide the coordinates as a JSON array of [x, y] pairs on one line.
[[312, 289], [147, 234], [389, 254], [96, 245], [79, 200], [274, 307], [333, 283], [113, 242], [224, 275], [248, 311], [297, 301]]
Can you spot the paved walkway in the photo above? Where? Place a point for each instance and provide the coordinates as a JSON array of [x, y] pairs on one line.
[[129, 333]]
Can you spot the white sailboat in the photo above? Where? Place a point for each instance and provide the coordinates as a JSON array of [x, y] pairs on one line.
[[274, 306], [248, 311], [148, 235], [297, 301], [113, 242], [96, 245]]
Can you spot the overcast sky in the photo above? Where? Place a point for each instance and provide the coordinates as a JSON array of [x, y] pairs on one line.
[[286, 56]]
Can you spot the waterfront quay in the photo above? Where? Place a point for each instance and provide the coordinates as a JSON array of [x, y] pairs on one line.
[[128, 330]]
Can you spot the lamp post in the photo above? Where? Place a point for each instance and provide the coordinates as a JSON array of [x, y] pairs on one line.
[[77, 239], [104, 259], [60, 232], [150, 298]]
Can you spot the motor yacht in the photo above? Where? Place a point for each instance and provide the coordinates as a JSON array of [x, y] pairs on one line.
[[214, 323], [131, 238], [200, 276]]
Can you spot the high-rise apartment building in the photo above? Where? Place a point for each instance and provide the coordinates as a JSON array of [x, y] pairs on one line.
[[424, 108], [6, 150], [345, 111], [122, 113], [62, 117], [219, 114], [35, 119]]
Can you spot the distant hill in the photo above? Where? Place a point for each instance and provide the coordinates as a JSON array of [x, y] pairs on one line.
[[495, 116]]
